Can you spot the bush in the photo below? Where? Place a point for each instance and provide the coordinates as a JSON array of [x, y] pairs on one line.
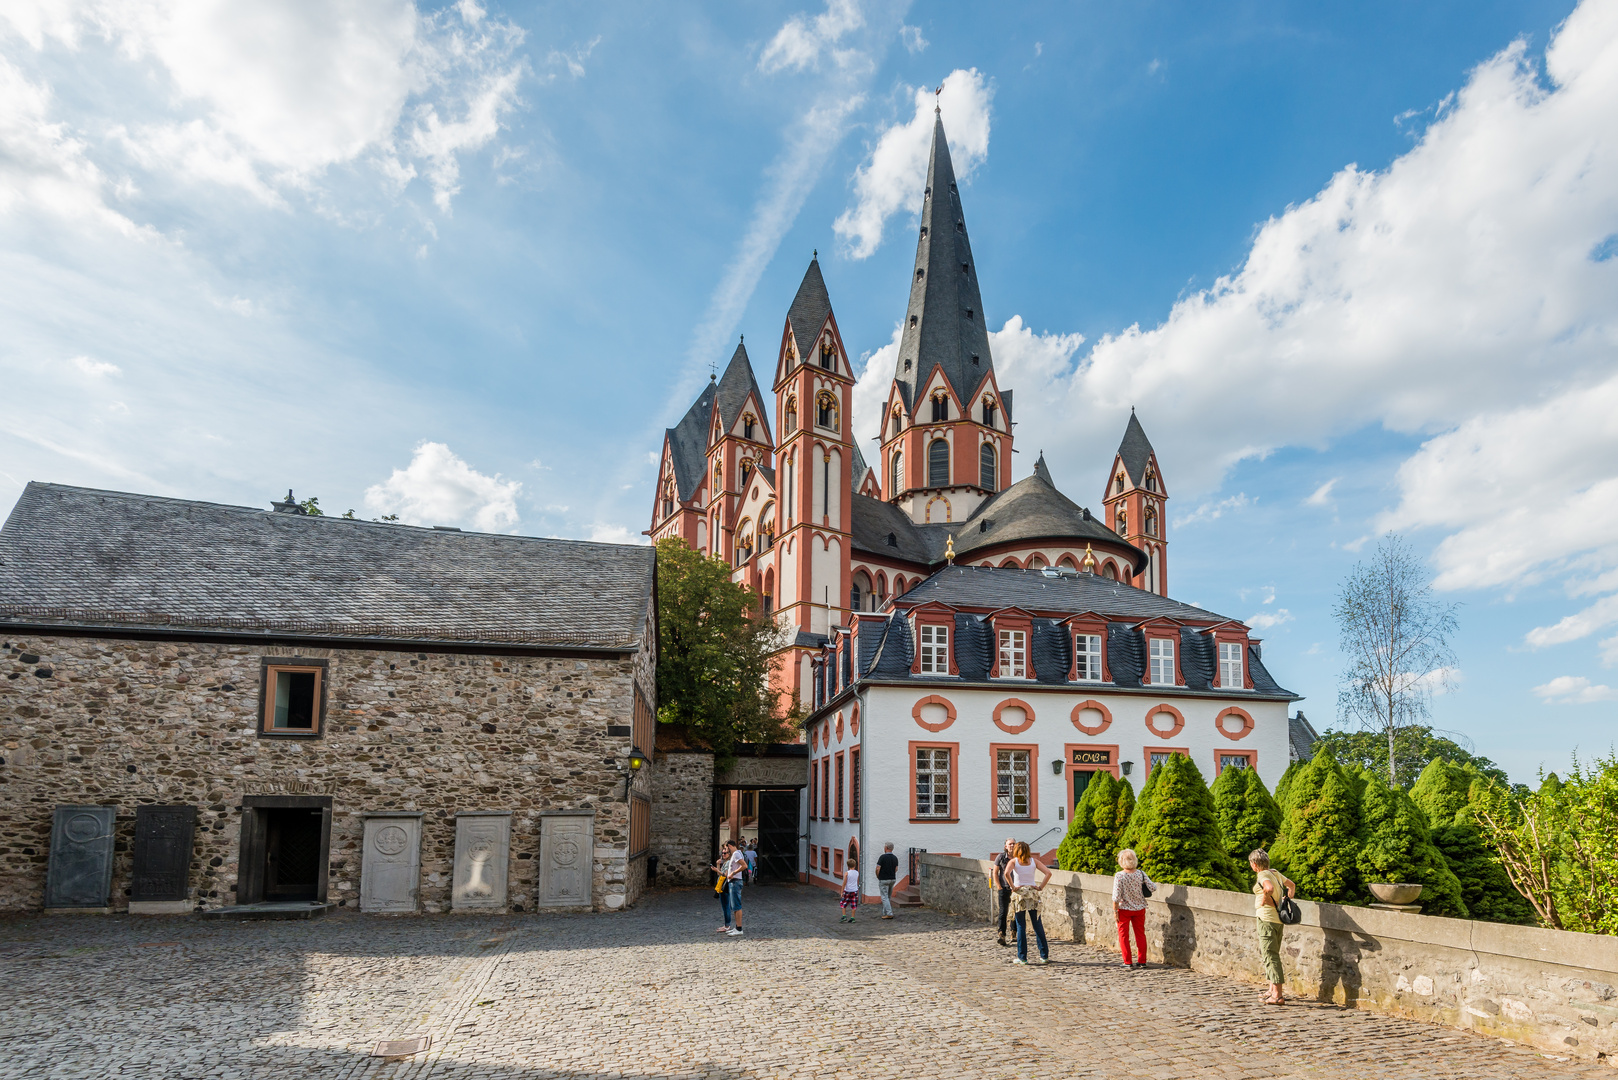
[[1179, 839], [1095, 835], [1444, 793], [1319, 843], [1397, 847], [1284, 785], [1248, 817], [1140, 818]]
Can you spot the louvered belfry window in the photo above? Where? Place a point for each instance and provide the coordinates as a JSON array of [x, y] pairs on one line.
[[986, 467], [938, 464]]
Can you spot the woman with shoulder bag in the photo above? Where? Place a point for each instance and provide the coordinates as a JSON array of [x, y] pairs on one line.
[[1272, 892], [1130, 888], [1023, 873], [721, 885]]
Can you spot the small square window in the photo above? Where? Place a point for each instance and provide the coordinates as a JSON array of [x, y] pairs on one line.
[[293, 698]]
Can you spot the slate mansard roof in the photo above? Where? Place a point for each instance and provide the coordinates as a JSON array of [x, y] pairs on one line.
[[886, 650], [78, 556]]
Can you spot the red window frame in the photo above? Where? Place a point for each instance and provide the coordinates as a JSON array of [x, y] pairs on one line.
[[1033, 781], [954, 748]]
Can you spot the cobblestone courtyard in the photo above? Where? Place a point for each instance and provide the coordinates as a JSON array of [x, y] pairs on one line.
[[655, 993]]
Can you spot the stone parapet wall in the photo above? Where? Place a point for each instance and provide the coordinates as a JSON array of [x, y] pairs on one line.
[[125, 722], [682, 817], [1550, 989]]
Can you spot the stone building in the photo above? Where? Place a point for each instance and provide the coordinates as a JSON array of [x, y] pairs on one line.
[[207, 706]]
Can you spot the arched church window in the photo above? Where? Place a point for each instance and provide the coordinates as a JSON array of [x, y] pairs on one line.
[[940, 407], [1110, 572], [792, 415], [718, 478], [898, 485], [746, 471], [1151, 521], [748, 420], [826, 411], [668, 498], [986, 467], [1122, 526], [898, 421], [1118, 485], [854, 598], [938, 464], [1151, 480], [828, 355], [989, 412]]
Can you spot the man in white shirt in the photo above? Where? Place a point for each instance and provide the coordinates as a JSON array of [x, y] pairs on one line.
[[733, 882]]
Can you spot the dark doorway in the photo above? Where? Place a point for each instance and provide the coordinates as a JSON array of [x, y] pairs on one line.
[[1081, 780], [778, 835], [293, 857]]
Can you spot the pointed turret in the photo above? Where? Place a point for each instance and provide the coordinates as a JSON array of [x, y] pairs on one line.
[[736, 385], [1134, 501], [1135, 451], [1042, 471], [810, 308], [944, 325]]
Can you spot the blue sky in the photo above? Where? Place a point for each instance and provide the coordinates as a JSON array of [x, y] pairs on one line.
[[1354, 268]]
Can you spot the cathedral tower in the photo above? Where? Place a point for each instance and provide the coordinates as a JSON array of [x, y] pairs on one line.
[[946, 427], [1134, 499], [738, 443]]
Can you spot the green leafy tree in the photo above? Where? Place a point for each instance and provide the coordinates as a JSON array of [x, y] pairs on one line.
[[1444, 793], [1248, 817], [1556, 844], [714, 651], [1095, 835], [1319, 843], [1413, 749], [1397, 847], [311, 506], [1180, 840]]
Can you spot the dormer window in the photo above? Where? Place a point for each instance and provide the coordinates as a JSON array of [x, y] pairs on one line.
[[934, 649], [1087, 657], [1231, 676], [1013, 654], [1161, 653]]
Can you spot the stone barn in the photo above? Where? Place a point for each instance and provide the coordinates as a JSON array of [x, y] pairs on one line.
[[211, 707]]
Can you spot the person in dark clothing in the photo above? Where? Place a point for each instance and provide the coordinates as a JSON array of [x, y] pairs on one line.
[[1001, 861], [887, 872]]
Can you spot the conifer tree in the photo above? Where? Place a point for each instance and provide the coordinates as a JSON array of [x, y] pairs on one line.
[[1319, 843], [1283, 785], [1445, 794], [1248, 817], [1180, 840], [1095, 835], [1397, 848], [1142, 814]]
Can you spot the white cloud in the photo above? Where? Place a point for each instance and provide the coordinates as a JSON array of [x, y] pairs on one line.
[[913, 41], [438, 488], [616, 534], [803, 42], [573, 59], [1213, 511], [892, 178], [1609, 652], [95, 369], [1574, 690], [1601, 614], [1264, 620], [1322, 494]]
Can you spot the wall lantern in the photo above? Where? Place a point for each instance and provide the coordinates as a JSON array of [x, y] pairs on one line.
[[1126, 766], [1056, 766], [635, 761]]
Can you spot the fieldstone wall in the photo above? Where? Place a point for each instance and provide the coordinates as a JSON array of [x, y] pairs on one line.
[[763, 771], [682, 816], [117, 722], [1553, 990]]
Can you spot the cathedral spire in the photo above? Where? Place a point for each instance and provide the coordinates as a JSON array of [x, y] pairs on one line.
[[944, 325]]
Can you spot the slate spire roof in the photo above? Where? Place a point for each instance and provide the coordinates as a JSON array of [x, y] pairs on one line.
[[734, 386], [1135, 450], [944, 325], [810, 308], [688, 443]]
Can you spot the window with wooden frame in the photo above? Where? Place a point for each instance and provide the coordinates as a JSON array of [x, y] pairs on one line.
[[934, 649], [1231, 676], [854, 784], [640, 826], [1161, 652], [1013, 654], [825, 789], [1239, 759], [814, 789], [292, 697], [643, 726], [837, 772], [1011, 784], [1087, 657], [934, 773]]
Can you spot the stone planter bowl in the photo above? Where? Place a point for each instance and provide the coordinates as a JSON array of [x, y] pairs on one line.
[[1396, 894]]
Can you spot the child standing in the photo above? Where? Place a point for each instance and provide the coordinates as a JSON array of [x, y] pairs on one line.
[[851, 894]]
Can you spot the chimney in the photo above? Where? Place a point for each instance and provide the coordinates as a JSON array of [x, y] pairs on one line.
[[289, 507]]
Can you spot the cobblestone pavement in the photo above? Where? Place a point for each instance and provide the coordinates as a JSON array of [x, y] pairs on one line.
[[655, 993]]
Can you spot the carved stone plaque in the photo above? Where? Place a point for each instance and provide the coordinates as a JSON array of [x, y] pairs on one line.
[[482, 852], [79, 872], [162, 853], [390, 866], [566, 860]]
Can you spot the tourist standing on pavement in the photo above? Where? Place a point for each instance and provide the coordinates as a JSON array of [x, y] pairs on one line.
[[851, 893], [1129, 905], [751, 855], [735, 866], [721, 886], [1023, 872], [1267, 891], [887, 872], [1003, 885]]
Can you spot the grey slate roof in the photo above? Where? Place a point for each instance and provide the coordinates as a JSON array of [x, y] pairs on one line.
[[856, 475], [983, 587], [949, 328], [688, 443], [1032, 509], [1301, 737], [810, 308], [77, 555], [1135, 450], [734, 387], [873, 521]]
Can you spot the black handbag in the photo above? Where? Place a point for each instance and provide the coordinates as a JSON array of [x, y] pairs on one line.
[[1145, 888], [1287, 908]]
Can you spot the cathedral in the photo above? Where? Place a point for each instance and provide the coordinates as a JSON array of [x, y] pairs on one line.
[[820, 534]]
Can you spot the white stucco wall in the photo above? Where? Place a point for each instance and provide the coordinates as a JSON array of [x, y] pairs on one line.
[[887, 729]]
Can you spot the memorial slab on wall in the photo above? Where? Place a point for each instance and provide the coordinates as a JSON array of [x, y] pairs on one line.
[[160, 876], [78, 874], [390, 863], [482, 855], [566, 858]]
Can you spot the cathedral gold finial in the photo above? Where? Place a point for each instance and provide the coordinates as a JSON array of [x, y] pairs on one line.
[[1089, 560], [949, 549]]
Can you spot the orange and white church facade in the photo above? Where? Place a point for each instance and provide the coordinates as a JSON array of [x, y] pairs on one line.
[[949, 631]]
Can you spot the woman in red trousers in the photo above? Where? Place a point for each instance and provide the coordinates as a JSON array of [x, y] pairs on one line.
[[1129, 905]]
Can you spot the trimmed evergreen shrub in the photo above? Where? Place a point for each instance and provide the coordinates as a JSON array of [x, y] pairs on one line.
[[1141, 815], [1179, 840], [1095, 835], [1397, 847], [1319, 843], [1445, 793], [1283, 785], [1248, 817]]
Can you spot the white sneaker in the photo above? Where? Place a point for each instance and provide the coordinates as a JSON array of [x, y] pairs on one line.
[[737, 932]]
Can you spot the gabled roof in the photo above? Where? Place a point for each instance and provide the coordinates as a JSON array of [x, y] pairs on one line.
[[735, 385], [810, 308], [688, 443], [944, 325], [1135, 451], [109, 558]]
